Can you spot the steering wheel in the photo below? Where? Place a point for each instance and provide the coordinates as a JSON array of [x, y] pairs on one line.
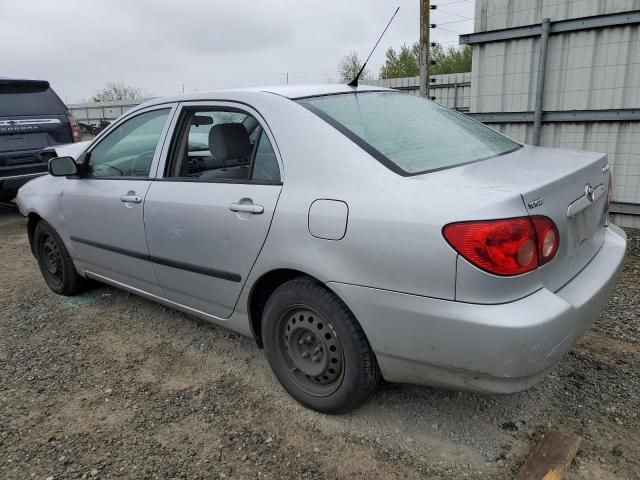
[[142, 163], [100, 166]]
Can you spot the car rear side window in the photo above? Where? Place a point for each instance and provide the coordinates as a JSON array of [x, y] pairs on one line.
[[265, 163], [408, 134], [29, 101]]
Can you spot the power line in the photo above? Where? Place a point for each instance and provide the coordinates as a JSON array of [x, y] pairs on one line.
[[454, 14], [455, 21], [451, 3], [449, 30]]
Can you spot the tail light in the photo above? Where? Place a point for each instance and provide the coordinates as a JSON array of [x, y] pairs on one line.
[[76, 134], [609, 193], [505, 247]]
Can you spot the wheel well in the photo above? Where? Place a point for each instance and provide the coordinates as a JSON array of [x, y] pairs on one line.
[[33, 220], [260, 293]]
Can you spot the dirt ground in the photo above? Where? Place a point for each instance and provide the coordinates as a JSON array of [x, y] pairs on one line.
[[108, 385]]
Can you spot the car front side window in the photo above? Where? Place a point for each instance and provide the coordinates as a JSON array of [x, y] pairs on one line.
[[128, 150], [222, 145]]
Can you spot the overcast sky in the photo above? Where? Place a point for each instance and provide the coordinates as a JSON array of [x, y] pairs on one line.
[[161, 45]]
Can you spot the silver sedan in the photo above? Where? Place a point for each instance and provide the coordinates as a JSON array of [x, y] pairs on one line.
[[355, 233]]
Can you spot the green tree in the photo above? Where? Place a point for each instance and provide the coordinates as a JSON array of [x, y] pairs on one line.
[[349, 67], [406, 62], [451, 60]]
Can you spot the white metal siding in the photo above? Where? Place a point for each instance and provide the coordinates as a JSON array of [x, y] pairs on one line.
[[498, 14], [586, 70], [620, 140]]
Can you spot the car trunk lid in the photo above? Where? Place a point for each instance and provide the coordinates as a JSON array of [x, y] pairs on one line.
[[554, 183]]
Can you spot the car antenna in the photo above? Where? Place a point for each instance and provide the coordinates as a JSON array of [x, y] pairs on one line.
[[354, 82]]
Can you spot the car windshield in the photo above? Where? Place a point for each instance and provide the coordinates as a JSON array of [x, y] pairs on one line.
[[408, 134]]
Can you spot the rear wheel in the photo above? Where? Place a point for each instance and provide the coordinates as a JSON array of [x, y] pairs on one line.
[[54, 261], [316, 348]]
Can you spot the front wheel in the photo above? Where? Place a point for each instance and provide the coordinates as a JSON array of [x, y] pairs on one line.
[[55, 262], [316, 348]]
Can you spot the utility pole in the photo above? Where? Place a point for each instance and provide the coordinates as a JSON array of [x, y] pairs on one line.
[[425, 26]]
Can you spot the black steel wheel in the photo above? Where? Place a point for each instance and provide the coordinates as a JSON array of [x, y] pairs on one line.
[[51, 260], [54, 261], [313, 350], [316, 347]]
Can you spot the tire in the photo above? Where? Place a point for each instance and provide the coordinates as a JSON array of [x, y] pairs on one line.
[[54, 261], [8, 194], [316, 348]]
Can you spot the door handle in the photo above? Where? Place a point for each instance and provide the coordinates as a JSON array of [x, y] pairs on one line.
[[246, 207], [131, 197]]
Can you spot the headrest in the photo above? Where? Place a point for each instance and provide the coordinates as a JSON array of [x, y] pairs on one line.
[[229, 140]]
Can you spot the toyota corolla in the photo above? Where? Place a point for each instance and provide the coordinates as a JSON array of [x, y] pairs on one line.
[[354, 232]]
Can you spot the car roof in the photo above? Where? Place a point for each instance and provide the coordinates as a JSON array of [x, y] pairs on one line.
[[292, 92], [302, 91]]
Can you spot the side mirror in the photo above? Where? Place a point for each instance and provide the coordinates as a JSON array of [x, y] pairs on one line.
[[63, 166]]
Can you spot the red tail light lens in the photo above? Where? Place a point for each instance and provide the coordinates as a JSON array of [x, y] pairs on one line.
[[76, 133], [505, 247], [609, 193]]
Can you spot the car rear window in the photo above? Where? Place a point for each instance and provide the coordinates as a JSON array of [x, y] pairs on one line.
[[27, 98], [409, 134]]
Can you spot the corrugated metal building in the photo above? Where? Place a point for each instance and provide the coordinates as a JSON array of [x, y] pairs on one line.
[[591, 95]]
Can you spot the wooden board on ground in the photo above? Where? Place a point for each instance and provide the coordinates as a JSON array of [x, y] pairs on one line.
[[551, 458]]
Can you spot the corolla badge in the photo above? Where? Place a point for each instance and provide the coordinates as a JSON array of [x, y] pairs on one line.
[[589, 192], [535, 203]]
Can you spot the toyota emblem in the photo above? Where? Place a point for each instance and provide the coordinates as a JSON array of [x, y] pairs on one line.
[[589, 192]]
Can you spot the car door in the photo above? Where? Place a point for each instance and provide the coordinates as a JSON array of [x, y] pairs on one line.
[[103, 207], [208, 214]]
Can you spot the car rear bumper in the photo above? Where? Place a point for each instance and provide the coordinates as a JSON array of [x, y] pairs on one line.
[[492, 348]]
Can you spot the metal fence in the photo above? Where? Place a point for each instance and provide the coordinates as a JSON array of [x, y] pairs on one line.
[[453, 91], [564, 74], [93, 113]]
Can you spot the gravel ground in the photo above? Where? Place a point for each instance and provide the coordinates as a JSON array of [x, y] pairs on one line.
[[108, 385]]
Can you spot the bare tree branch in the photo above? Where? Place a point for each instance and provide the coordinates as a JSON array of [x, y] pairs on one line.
[[118, 91]]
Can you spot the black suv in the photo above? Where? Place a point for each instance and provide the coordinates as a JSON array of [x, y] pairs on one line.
[[32, 117]]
